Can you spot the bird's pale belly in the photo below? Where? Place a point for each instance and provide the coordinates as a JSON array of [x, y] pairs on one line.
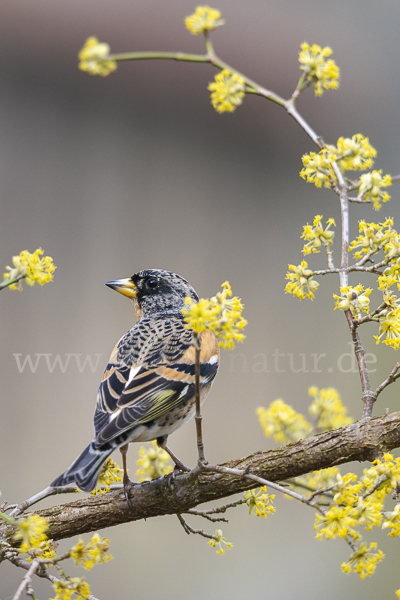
[[164, 425]]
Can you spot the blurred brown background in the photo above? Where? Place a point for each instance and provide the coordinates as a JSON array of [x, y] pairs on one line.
[[137, 170]]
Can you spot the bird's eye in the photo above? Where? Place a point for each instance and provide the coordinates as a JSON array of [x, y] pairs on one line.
[[152, 283]]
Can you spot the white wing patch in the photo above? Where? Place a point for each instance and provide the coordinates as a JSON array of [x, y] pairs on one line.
[[132, 373], [183, 392], [115, 414]]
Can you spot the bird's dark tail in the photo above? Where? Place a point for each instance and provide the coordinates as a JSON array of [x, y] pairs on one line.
[[85, 470]]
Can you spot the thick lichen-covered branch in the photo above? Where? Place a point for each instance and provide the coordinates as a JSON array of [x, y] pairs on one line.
[[360, 441]]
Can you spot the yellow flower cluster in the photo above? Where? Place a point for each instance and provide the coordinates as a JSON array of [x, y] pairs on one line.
[[371, 185], [110, 473], [317, 236], [44, 550], [259, 503], [94, 58], [328, 409], [220, 314], [301, 283], [219, 542], [72, 585], [363, 561], [227, 91], [32, 267], [392, 521], [281, 422], [94, 552], [203, 20], [389, 315], [390, 326], [352, 154], [324, 478], [152, 463], [336, 522], [353, 298], [318, 168], [374, 237], [323, 73], [391, 274], [32, 532], [360, 503]]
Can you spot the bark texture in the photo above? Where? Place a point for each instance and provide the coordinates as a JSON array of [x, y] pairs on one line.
[[360, 441]]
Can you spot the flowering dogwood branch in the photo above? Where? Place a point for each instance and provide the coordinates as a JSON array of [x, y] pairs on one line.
[[360, 441]]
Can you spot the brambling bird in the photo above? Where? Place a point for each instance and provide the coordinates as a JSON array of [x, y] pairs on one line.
[[147, 390]]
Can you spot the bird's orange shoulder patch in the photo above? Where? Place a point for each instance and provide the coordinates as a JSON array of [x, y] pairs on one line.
[[208, 348]]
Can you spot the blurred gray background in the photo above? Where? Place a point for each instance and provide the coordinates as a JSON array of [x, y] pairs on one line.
[[136, 171]]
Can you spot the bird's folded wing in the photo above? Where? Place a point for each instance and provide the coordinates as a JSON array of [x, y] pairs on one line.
[[147, 394]]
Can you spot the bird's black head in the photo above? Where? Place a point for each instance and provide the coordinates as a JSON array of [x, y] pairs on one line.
[[155, 291]]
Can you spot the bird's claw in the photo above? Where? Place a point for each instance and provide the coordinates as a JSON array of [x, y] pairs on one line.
[[172, 476], [128, 485]]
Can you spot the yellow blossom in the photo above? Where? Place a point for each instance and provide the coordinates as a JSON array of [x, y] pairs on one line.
[[390, 275], [204, 19], [94, 58], [392, 248], [386, 281], [373, 237], [31, 531], [73, 585], [220, 314], [383, 475], [318, 168], [219, 542], [317, 236], [371, 185], [391, 302], [346, 492], [109, 474], [32, 267], [353, 298], [355, 153], [363, 561], [301, 283], [337, 521], [227, 91], [259, 503], [323, 73], [152, 463], [324, 478], [390, 326], [95, 551], [46, 550], [281, 422], [368, 511], [392, 520], [328, 409]]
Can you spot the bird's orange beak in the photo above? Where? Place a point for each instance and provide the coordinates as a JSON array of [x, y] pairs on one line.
[[126, 287]]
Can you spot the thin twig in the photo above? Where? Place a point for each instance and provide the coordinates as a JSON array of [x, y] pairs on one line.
[[302, 485], [26, 580], [189, 529], [208, 517], [30, 592], [261, 481], [8, 282], [217, 510], [49, 491], [198, 417], [391, 378]]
